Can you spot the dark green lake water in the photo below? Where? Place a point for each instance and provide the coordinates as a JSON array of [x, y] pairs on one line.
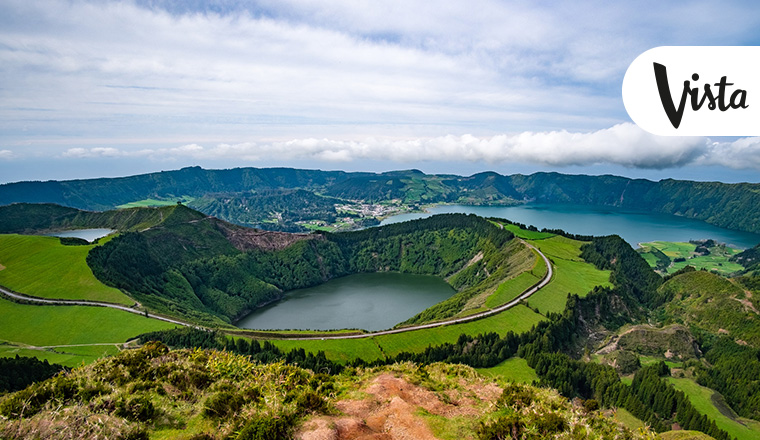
[[634, 227], [370, 301]]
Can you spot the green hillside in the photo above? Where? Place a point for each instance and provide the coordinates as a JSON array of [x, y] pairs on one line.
[[710, 302], [43, 267], [29, 218]]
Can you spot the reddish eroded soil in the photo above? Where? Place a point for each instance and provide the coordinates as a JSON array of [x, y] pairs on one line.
[[391, 408], [246, 239]]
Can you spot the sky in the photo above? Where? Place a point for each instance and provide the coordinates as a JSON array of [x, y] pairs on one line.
[[113, 88]]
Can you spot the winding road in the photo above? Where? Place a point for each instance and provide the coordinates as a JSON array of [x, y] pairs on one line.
[[527, 293], [73, 302]]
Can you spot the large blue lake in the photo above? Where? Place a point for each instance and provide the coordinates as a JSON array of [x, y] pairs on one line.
[[634, 227]]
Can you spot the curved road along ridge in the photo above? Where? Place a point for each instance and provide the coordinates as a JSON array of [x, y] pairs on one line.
[[536, 287], [73, 302]]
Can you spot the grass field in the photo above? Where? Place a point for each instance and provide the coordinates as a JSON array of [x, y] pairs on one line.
[[717, 260], [529, 235], [515, 369], [511, 289], [571, 274], [154, 202], [339, 350], [628, 419], [523, 274], [701, 398], [517, 319], [44, 326], [684, 435], [43, 267], [66, 356]]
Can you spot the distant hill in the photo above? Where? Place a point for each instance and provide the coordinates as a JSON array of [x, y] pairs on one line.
[[24, 218], [735, 206]]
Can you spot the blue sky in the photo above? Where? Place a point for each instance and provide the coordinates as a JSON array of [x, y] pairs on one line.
[[110, 88]]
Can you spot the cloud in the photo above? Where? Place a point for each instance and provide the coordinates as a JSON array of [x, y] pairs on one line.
[[344, 81], [621, 145], [740, 154], [6, 154]]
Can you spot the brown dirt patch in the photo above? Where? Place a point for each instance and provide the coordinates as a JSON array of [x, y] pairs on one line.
[[246, 239], [2, 267], [748, 306], [390, 410]]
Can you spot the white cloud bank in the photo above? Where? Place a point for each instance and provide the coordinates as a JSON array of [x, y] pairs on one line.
[[623, 144]]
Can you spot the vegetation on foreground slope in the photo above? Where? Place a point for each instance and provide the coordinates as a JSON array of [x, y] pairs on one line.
[[199, 394]]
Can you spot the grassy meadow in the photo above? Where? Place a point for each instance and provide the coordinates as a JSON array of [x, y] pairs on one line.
[[571, 274], [43, 267], [716, 261], [35, 326], [514, 369], [155, 202], [703, 400]]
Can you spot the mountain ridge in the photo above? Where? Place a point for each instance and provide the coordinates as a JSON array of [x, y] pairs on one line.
[[729, 205]]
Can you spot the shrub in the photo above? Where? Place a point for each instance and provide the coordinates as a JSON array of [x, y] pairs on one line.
[[551, 423], [138, 409], [222, 404], [515, 395], [591, 405], [90, 391], [507, 427], [310, 402], [266, 428]]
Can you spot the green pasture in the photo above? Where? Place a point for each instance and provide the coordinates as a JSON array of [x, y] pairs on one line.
[[66, 356], [339, 350], [517, 319], [155, 202], [42, 266], [43, 326], [511, 289], [571, 274], [514, 369], [717, 260], [528, 235], [703, 400], [628, 419]]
